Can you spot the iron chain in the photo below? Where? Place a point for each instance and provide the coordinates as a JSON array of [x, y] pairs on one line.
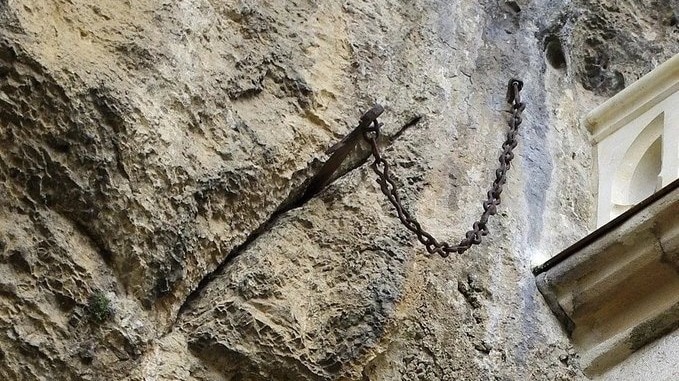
[[480, 227]]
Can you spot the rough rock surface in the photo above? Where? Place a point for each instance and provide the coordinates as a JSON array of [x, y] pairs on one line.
[[150, 153]]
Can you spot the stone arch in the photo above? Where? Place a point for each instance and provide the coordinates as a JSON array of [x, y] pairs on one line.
[[636, 176]]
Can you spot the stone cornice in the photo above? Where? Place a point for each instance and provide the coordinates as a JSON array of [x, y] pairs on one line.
[[635, 99], [620, 291]]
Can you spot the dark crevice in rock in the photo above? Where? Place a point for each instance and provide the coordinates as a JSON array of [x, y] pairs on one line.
[[554, 52], [673, 21], [295, 199], [412, 122], [513, 5]]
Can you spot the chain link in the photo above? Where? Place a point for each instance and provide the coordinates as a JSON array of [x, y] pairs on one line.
[[480, 227]]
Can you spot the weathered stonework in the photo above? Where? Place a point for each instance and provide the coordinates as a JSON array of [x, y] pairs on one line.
[[617, 290], [146, 148]]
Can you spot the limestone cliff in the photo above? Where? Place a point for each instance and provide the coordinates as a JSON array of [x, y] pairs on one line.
[[151, 152]]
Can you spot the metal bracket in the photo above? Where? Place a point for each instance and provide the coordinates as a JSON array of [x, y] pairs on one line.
[[512, 91]]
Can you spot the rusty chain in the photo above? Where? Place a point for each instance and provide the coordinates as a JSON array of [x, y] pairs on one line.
[[371, 130]]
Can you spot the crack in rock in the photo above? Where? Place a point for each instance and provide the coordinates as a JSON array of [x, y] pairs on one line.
[[296, 199]]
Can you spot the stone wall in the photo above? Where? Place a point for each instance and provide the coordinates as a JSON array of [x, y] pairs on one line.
[[151, 152]]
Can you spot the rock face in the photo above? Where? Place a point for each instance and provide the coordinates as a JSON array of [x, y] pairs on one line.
[[151, 153]]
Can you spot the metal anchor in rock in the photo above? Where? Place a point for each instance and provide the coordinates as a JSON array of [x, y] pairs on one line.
[[369, 129]]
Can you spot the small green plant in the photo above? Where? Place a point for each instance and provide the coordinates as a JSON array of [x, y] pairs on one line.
[[99, 307]]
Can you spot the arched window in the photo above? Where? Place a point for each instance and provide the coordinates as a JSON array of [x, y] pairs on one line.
[[637, 174], [636, 141]]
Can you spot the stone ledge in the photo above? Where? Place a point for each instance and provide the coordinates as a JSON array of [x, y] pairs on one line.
[[618, 288]]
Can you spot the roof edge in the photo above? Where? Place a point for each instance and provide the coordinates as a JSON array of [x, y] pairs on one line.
[[602, 231]]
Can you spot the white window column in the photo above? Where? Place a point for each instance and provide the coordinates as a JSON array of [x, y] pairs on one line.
[[670, 157]]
